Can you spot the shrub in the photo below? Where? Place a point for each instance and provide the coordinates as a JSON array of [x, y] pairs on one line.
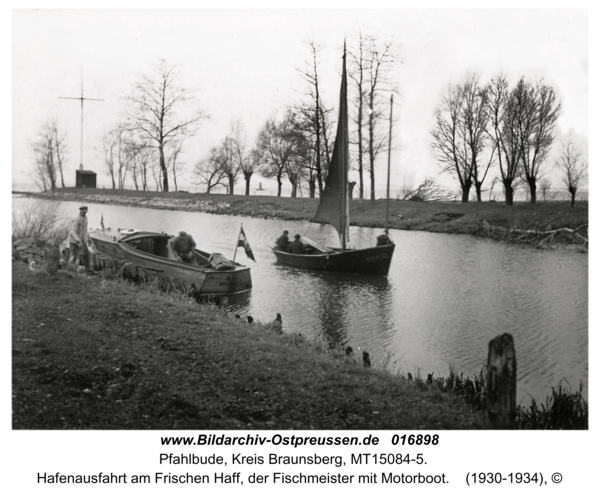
[[42, 221]]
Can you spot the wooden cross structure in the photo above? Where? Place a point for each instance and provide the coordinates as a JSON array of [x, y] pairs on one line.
[[81, 98]]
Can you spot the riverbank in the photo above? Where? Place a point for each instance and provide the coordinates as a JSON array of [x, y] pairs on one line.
[[521, 222], [92, 353]]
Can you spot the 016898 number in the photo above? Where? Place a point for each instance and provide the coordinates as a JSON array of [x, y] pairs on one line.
[[415, 439]]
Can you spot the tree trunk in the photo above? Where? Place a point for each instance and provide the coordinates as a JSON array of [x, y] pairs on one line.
[[508, 194], [478, 191], [532, 189], [572, 190], [163, 167], [351, 186], [372, 176], [311, 187], [466, 188], [230, 176]]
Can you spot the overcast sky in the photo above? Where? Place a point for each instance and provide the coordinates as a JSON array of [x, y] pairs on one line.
[[243, 65]]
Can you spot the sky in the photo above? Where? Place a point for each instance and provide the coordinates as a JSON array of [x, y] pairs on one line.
[[244, 64]]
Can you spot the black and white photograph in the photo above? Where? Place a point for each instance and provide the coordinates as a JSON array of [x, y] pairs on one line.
[[299, 247]]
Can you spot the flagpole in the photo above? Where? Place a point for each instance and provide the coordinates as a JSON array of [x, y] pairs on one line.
[[237, 242]]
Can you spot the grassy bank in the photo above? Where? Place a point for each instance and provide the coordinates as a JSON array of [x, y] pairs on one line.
[[442, 217], [90, 353]]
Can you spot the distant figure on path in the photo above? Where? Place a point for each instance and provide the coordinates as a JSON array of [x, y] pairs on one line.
[[296, 246], [283, 242], [78, 239], [183, 246]]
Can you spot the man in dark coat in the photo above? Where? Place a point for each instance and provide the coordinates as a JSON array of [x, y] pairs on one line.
[[283, 242], [183, 246], [296, 246]]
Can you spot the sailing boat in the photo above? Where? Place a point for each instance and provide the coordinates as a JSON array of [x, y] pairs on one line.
[[334, 210]]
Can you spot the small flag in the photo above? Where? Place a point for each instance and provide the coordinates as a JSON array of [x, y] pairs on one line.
[[102, 221], [243, 242]]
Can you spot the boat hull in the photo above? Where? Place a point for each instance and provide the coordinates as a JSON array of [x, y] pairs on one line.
[[205, 279], [372, 261]]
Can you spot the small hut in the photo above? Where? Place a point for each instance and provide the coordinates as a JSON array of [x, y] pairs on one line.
[[85, 179]]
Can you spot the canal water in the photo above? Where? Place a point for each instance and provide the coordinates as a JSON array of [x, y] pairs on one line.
[[445, 298]]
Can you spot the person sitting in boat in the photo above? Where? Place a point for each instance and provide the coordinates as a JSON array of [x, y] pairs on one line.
[[183, 247], [283, 242], [383, 239], [296, 246]]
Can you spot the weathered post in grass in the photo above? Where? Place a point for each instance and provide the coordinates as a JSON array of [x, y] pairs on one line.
[[51, 260], [502, 382]]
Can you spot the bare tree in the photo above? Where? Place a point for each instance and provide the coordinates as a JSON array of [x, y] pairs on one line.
[[162, 112], [571, 165], [379, 61], [119, 150], [504, 108], [278, 145], [447, 145], [545, 185], [40, 177], [460, 135], [357, 73], [143, 161], [247, 161], [475, 121], [49, 153], [312, 117], [109, 144], [173, 154], [60, 146], [210, 170], [536, 129]]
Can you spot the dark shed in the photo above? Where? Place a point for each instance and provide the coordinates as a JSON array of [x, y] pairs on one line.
[[85, 179]]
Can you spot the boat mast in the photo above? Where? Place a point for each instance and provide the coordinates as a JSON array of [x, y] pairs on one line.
[[344, 154], [387, 213]]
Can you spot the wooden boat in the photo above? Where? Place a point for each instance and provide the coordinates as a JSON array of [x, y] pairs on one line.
[[334, 210], [152, 254]]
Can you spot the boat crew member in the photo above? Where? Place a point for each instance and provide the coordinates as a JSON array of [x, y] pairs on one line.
[[383, 239], [283, 242], [296, 246], [78, 239], [183, 246]]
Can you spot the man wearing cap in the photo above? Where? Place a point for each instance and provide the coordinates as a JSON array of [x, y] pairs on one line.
[[283, 242], [78, 239], [296, 246]]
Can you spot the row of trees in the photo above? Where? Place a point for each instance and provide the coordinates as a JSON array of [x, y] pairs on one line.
[[478, 127], [298, 146], [161, 115]]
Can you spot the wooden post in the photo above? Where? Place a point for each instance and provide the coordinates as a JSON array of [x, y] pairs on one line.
[[51, 260], [502, 382]]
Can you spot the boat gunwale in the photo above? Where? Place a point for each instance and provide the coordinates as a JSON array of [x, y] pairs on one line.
[[122, 242]]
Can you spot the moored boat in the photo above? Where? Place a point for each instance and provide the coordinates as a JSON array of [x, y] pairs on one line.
[[152, 254]]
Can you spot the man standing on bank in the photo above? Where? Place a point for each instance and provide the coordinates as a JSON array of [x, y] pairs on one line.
[[78, 239]]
